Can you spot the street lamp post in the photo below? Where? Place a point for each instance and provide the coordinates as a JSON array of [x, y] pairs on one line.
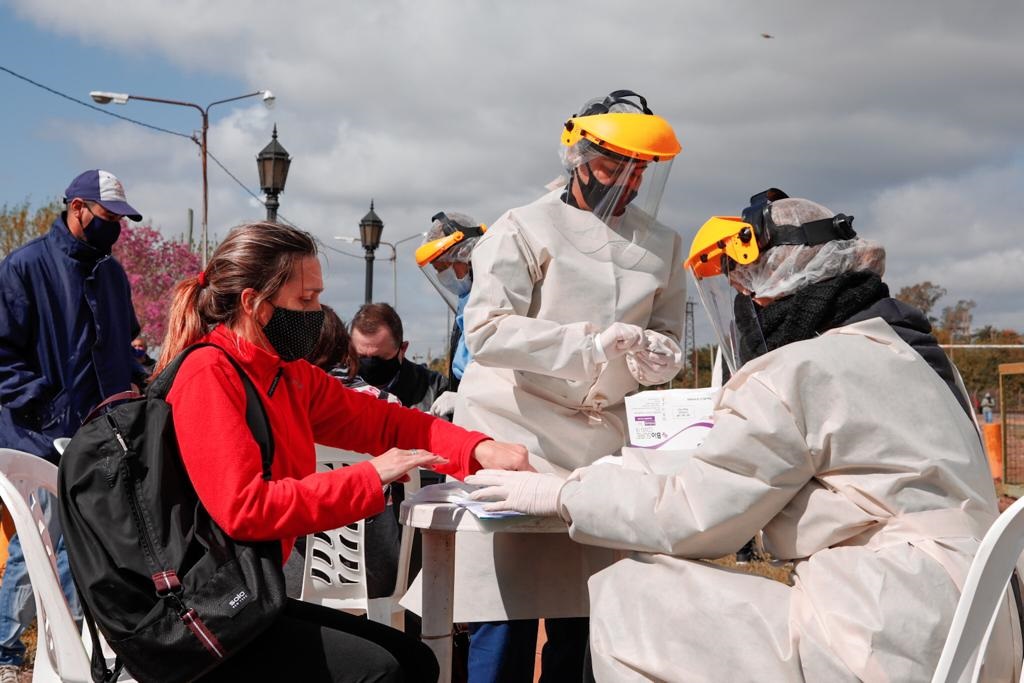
[[273, 162], [102, 97], [370, 228], [393, 259]]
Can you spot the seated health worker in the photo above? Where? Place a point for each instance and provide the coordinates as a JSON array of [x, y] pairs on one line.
[[843, 433], [258, 300]]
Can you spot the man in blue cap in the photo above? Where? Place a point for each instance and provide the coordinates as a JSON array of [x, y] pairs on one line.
[[66, 327]]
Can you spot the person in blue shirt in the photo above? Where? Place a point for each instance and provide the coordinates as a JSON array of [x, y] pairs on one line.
[[66, 330], [444, 257]]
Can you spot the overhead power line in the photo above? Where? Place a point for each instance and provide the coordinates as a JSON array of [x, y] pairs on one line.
[[340, 251], [192, 137], [93, 107]]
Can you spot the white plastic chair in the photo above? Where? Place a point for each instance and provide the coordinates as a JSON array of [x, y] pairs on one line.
[[335, 570], [984, 590], [61, 653]]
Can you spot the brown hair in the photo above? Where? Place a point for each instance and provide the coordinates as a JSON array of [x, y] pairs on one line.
[[332, 348], [370, 317], [260, 256]]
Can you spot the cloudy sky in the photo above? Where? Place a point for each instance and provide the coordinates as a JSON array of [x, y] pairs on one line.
[[908, 115]]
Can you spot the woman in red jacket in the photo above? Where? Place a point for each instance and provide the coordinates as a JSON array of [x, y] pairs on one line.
[[258, 300]]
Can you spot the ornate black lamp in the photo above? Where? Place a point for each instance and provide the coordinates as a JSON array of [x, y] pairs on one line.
[[370, 229], [273, 162]]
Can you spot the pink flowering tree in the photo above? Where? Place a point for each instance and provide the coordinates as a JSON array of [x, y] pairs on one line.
[[154, 265]]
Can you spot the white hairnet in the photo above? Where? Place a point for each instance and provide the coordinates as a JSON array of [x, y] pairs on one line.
[[458, 253], [787, 268]]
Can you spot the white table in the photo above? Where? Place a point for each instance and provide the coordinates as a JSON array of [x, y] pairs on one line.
[[439, 522]]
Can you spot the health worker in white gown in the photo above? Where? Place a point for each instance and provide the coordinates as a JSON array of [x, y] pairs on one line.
[[578, 300], [843, 434]]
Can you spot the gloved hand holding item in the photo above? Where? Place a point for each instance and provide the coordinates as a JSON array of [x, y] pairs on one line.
[[658, 360], [617, 340], [444, 405], [528, 492]]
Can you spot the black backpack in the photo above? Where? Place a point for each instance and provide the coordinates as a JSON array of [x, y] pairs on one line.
[[172, 593]]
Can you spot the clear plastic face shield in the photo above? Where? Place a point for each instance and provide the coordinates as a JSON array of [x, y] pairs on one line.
[[444, 256], [609, 185], [617, 155], [734, 316]]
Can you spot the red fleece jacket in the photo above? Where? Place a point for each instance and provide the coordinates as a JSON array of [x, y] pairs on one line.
[[304, 406]]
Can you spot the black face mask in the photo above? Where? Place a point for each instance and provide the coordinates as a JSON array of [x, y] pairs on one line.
[[102, 234], [594, 192], [294, 334], [379, 371]]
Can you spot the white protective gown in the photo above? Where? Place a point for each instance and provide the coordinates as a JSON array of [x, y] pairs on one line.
[[860, 466], [547, 277]]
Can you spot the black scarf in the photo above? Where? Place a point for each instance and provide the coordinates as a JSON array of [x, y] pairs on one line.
[[811, 311]]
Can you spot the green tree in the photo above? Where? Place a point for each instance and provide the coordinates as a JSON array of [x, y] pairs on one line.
[[922, 296], [19, 224]]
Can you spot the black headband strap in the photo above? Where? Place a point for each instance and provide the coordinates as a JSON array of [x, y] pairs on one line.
[[839, 227]]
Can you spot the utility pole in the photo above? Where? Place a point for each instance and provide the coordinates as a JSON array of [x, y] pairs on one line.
[[689, 342]]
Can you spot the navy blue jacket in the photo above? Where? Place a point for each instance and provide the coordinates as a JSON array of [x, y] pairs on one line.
[[66, 326]]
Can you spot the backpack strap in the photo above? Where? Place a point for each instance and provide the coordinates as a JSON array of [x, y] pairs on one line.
[[109, 401], [255, 413], [98, 663]]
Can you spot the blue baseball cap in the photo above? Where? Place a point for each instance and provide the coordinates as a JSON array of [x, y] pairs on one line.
[[105, 189]]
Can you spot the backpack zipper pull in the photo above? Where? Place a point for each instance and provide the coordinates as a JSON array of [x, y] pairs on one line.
[[277, 378], [117, 433]]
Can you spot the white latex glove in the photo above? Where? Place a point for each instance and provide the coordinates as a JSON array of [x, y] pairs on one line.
[[658, 359], [444, 405], [528, 492], [617, 340]]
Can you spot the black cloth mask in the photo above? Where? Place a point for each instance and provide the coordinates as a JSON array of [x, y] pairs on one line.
[[101, 234], [379, 371], [594, 192], [807, 313], [293, 334]]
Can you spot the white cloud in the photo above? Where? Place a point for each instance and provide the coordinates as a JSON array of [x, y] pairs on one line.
[[960, 232], [908, 119]]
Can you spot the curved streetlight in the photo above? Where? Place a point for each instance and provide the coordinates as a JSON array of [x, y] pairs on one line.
[[103, 97]]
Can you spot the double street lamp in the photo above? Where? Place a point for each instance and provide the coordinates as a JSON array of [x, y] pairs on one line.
[[101, 97]]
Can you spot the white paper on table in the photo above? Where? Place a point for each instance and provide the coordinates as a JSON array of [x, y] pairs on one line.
[[457, 493], [673, 419]]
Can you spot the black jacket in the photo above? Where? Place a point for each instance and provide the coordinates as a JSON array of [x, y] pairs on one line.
[[417, 386]]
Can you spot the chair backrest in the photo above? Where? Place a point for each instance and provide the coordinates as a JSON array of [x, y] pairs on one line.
[[335, 567], [984, 590], [60, 653]]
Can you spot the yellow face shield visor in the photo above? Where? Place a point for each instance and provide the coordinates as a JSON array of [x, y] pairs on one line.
[[721, 237], [431, 251], [637, 136], [455, 233]]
